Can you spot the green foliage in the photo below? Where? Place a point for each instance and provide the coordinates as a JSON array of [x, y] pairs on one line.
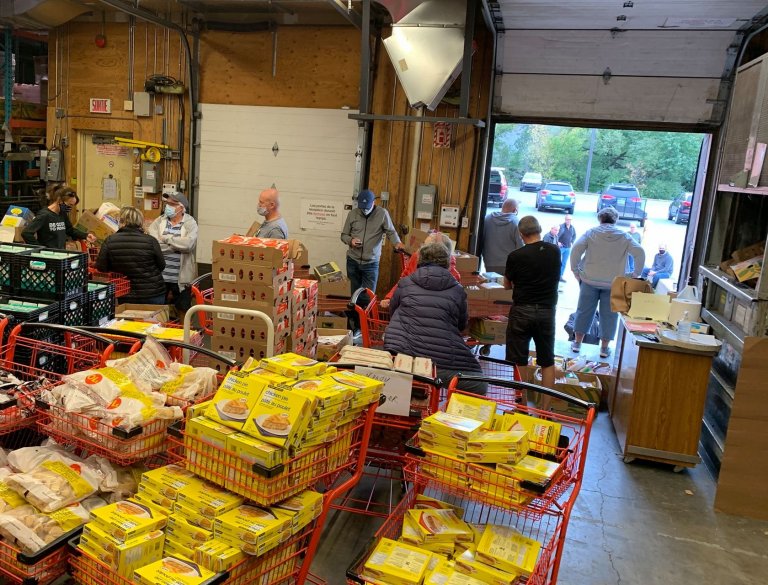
[[661, 164]]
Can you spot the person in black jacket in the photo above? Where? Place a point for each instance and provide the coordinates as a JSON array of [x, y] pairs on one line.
[[51, 225], [136, 254], [428, 313]]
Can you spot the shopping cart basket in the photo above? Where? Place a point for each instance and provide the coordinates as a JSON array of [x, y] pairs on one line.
[[202, 293], [40, 568], [373, 318], [121, 282], [494, 368], [482, 483], [549, 529]]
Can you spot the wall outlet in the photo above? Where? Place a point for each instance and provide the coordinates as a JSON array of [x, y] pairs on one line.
[[169, 188], [465, 222]]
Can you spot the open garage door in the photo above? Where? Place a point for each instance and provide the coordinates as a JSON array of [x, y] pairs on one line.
[[657, 62], [308, 154]]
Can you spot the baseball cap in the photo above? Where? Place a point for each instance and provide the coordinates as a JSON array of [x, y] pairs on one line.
[[179, 198], [365, 199]]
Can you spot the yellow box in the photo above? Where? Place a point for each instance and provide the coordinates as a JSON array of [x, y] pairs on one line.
[[218, 556], [278, 417], [178, 524], [173, 548], [192, 516], [206, 441], [305, 507], [468, 564], [144, 501], [397, 563], [271, 378], [440, 526], [430, 441], [169, 480], [208, 500], [250, 525], [361, 384], [124, 557], [510, 495], [126, 520], [195, 410], [504, 548], [445, 574], [451, 425], [293, 365], [255, 548], [543, 435], [443, 476], [509, 457], [173, 570], [533, 469], [255, 451], [516, 441], [426, 503], [474, 408], [151, 497], [235, 398]]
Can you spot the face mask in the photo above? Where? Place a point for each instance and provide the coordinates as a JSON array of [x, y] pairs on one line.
[[367, 212], [662, 251], [64, 208], [262, 211], [170, 212]]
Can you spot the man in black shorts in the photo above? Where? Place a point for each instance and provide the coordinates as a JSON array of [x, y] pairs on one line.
[[533, 272]]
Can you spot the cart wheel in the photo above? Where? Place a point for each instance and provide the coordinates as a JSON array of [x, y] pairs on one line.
[[678, 468], [628, 459], [485, 350]]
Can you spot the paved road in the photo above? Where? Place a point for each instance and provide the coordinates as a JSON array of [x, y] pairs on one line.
[[657, 230]]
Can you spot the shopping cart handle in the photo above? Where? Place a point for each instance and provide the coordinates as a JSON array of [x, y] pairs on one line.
[[512, 384], [63, 329], [200, 279], [358, 292]]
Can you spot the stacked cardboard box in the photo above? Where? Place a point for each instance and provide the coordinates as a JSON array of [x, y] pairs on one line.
[[254, 274], [304, 326]]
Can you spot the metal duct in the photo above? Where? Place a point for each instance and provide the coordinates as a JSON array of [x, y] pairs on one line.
[[426, 46], [40, 13]]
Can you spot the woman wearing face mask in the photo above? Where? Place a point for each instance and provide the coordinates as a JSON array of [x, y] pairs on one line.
[[51, 225], [176, 231]]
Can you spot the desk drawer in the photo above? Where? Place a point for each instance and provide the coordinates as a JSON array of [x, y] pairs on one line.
[[717, 409]]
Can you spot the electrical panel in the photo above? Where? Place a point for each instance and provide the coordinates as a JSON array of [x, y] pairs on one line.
[[151, 177], [449, 216], [53, 164], [425, 201]]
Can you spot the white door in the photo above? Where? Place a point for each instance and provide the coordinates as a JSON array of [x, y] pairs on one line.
[[308, 154]]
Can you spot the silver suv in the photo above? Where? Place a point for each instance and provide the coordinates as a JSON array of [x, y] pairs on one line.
[[624, 198]]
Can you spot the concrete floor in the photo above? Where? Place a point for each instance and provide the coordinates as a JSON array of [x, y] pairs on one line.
[[636, 524]]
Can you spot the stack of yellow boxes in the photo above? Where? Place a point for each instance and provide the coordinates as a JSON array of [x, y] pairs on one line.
[[304, 320], [277, 425], [255, 274], [437, 547], [477, 449]]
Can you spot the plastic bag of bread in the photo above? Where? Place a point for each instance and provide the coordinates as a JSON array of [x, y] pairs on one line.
[[58, 481], [9, 499], [149, 367], [97, 386], [122, 482], [190, 383], [27, 458], [31, 530]]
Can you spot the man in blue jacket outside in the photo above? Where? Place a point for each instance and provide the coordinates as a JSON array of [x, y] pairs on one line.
[[662, 267]]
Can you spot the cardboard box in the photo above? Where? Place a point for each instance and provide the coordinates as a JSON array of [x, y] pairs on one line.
[[415, 240], [589, 389], [466, 262], [490, 330], [240, 350], [329, 272], [90, 223], [330, 342], [339, 289], [233, 272], [150, 313], [16, 217], [331, 321], [257, 298], [748, 269], [240, 250], [249, 328]]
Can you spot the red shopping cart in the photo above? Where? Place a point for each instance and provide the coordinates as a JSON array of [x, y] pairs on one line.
[[121, 282], [202, 293]]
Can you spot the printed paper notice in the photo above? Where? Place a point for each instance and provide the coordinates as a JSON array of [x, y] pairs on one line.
[[325, 215], [397, 389]]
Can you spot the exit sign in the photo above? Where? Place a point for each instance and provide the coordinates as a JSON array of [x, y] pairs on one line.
[[100, 106]]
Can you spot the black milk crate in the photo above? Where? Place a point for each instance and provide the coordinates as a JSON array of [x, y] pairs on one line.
[[73, 311], [8, 268], [21, 310], [51, 274], [100, 303]]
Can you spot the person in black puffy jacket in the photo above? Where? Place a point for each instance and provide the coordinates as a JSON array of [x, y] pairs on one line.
[[136, 254], [428, 313]]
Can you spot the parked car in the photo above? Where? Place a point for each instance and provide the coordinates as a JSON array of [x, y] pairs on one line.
[[680, 208], [497, 187], [556, 195], [624, 198], [531, 182]]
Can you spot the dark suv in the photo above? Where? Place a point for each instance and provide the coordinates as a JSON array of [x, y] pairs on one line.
[[680, 208], [556, 195], [624, 198], [497, 187]]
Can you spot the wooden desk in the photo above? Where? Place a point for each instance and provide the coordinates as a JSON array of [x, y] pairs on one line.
[[658, 401]]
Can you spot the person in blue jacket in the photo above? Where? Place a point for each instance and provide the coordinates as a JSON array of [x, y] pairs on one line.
[[662, 267]]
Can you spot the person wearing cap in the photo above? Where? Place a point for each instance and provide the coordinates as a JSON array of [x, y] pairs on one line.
[[51, 225], [533, 274], [274, 225], [176, 231], [599, 256], [662, 267], [362, 232]]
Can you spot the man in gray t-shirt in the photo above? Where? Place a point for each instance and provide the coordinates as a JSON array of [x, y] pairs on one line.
[[274, 225]]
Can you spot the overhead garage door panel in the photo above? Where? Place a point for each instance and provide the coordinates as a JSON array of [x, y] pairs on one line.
[[630, 99], [308, 154], [637, 53]]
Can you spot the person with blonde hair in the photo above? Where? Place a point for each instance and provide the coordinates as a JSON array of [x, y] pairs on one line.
[[137, 255]]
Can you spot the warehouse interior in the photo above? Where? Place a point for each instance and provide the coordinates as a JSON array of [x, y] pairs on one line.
[[313, 98]]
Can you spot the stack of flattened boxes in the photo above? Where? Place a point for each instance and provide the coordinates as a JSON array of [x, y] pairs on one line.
[[254, 274], [304, 324]]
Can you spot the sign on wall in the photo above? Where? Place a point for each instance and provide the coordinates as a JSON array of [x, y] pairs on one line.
[[100, 106], [325, 215]]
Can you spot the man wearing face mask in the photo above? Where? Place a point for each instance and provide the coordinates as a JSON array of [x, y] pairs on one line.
[[176, 231], [362, 232], [51, 225], [662, 267], [274, 225]]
